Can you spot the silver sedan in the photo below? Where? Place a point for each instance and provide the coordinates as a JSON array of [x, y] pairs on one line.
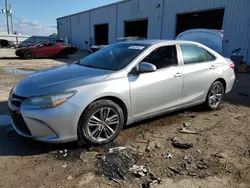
[[93, 99]]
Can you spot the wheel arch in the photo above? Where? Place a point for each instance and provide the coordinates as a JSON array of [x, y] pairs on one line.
[[223, 83], [115, 99]]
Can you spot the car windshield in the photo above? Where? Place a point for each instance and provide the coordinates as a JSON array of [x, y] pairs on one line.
[[113, 57]]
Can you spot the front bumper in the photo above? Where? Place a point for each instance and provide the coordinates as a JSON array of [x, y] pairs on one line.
[[54, 125]]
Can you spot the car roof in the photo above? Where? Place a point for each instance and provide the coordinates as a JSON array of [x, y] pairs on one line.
[[153, 42]]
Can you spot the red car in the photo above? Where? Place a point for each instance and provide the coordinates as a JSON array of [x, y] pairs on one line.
[[46, 49]]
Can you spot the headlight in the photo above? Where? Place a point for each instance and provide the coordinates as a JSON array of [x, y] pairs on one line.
[[11, 91], [48, 101]]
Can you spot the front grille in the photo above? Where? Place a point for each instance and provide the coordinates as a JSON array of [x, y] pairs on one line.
[[17, 100], [16, 115], [19, 122]]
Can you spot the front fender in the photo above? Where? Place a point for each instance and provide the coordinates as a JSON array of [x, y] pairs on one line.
[[114, 88]]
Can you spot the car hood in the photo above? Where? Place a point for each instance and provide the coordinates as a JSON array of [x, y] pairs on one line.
[[59, 79]]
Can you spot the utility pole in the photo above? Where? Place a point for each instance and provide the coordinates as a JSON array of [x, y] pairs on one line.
[[11, 22], [6, 13]]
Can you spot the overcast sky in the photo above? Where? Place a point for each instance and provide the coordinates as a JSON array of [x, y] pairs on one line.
[[38, 17]]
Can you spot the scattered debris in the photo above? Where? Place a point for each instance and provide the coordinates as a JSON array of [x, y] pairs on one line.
[[116, 165], [187, 131], [177, 144], [116, 149], [86, 179], [186, 124], [158, 145], [192, 116], [142, 148], [64, 152], [86, 157], [139, 170], [150, 146], [201, 164], [216, 155], [176, 171], [115, 180], [169, 156], [199, 151], [64, 166], [70, 178]]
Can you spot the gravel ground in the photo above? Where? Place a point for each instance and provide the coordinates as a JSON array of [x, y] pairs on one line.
[[219, 156]]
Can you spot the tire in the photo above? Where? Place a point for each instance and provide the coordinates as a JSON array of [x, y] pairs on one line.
[[88, 132], [214, 96], [29, 55], [63, 54]]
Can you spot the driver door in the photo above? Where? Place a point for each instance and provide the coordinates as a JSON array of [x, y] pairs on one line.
[[156, 92], [44, 50]]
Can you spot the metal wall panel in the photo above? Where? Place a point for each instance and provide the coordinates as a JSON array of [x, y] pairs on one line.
[[236, 17], [106, 15], [141, 9], [64, 28], [161, 20], [80, 30]]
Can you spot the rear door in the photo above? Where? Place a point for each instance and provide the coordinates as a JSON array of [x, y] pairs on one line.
[[199, 71]]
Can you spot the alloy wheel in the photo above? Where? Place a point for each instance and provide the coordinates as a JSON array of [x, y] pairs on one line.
[[103, 124], [215, 95]]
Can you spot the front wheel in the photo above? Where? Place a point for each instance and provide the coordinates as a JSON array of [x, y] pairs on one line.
[[101, 122], [214, 96], [29, 55]]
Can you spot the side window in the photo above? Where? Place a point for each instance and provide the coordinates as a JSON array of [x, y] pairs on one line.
[[192, 54], [163, 57], [48, 45], [208, 56]]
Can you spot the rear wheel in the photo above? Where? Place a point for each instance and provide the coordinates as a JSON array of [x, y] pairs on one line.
[[63, 54], [29, 55], [101, 122], [214, 96]]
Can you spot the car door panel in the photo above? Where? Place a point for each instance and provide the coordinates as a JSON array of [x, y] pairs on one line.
[[47, 50], [198, 74], [154, 92], [197, 80]]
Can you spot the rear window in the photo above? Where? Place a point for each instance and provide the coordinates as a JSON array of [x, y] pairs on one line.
[[208, 56], [192, 54]]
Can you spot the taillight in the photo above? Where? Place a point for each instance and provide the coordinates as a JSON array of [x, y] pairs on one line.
[[232, 65]]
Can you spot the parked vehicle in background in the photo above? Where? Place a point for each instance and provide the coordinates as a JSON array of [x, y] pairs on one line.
[[29, 44], [208, 37], [93, 99], [46, 49], [95, 48], [6, 44]]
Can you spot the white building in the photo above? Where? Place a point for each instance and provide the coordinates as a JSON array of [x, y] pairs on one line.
[[159, 19]]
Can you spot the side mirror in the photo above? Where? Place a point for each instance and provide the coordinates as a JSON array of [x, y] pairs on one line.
[[146, 67]]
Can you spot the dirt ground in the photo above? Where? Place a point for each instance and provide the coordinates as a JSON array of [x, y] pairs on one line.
[[218, 155]]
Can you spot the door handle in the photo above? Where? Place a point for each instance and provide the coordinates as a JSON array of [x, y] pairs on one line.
[[212, 67], [178, 75]]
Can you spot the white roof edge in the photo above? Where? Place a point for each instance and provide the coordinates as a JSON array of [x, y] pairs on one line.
[[116, 3], [214, 31]]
